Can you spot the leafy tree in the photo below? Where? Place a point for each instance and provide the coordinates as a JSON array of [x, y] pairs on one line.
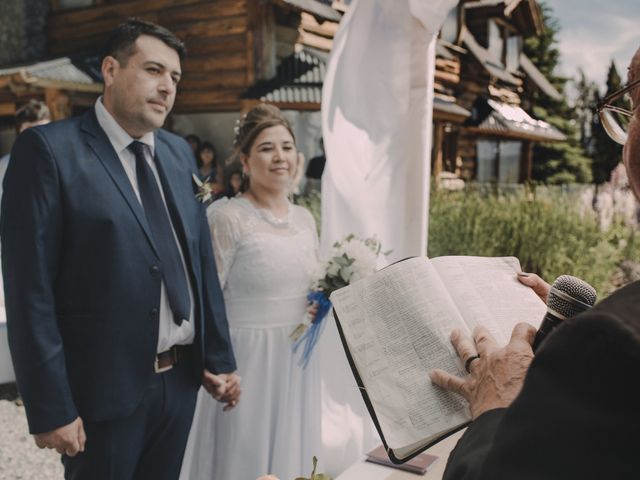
[[555, 162], [606, 153]]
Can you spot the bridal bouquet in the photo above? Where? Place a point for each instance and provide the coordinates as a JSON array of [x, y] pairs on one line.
[[351, 259]]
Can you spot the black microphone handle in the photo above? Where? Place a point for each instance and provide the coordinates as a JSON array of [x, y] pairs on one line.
[[549, 322]]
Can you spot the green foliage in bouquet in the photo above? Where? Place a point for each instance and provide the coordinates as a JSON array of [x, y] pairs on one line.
[[352, 259], [314, 475]]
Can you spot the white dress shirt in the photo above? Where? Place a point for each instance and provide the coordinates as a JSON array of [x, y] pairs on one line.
[[169, 333]]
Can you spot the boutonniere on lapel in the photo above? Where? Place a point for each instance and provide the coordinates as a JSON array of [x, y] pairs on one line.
[[204, 189]]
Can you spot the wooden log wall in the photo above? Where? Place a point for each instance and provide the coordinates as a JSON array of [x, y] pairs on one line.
[[219, 35]]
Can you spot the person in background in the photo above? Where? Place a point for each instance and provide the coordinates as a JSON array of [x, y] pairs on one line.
[[31, 114], [233, 183], [571, 411], [194, 142], [206, 160], [114, 310]]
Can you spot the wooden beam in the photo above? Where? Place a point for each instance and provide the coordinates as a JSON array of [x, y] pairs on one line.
[[206, 11], [194, 98], [310, 24], [526, 162], [214, 45], [63, 19], [212, 80], [315, 41], [437, 149], [446, 77], [7, 109], [234, 61], [211, 28]]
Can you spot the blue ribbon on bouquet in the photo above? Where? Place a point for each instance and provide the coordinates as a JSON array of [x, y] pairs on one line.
[[310, 337]]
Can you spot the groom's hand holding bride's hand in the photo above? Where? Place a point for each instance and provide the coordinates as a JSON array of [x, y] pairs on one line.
[[224, 387], [66, 440]]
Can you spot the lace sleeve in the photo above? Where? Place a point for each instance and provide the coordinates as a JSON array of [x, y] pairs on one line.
[[224, 237]]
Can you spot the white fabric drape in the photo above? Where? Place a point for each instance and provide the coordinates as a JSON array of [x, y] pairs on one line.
[[376, 119]]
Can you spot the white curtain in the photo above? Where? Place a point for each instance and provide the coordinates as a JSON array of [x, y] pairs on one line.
[[376, 119]]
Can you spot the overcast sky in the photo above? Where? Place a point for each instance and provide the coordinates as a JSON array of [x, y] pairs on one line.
[[596, 31]]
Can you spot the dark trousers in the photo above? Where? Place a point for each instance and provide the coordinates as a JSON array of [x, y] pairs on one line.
[[148, 444]]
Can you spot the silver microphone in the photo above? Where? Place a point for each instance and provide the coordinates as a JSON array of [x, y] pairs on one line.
[[568, 297]]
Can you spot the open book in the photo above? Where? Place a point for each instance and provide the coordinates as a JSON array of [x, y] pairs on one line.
[[395, 327]]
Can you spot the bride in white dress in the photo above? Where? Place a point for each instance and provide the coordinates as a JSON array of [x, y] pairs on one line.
[[266, 252]]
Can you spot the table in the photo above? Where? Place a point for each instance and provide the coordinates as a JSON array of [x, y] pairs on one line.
[[363, 470]]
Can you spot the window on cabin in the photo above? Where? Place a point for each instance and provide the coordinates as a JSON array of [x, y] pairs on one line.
[[512, 53], [498, 161], [449, 30], [496, 42], [504, 45]]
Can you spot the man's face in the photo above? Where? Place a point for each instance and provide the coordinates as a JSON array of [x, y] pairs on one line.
[[631, 151], [140, 93]]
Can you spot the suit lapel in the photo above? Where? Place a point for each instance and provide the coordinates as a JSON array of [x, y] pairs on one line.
[[101, 146]]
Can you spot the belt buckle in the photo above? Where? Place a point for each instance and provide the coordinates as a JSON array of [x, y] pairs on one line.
[[156, 366]]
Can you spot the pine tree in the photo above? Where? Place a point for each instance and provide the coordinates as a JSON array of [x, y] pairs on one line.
[[555, 162], [606, 153], [585, 105]]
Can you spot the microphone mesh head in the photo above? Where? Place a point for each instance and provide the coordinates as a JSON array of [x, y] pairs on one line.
[[570, 296]]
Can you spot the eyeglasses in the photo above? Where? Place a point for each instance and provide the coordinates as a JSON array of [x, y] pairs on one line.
[[615, 120]]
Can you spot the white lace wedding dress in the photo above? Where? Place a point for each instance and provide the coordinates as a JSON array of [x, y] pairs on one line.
[[265, 266]]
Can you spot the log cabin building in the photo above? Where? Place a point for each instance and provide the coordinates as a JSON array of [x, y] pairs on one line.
[[483, 81], [244, 51]]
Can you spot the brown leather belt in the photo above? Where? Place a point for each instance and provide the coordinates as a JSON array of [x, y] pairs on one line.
[[166, 360]]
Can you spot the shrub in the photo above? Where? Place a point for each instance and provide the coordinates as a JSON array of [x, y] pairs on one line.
[[552, 233], [549, 235]]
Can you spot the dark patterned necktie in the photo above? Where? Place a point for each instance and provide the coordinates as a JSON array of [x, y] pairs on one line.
[[173, 274]]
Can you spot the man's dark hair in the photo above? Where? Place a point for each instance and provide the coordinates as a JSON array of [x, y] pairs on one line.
[[32, 111], [121, 43]]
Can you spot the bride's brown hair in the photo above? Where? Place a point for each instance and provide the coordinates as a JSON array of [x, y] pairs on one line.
[[256, 120]]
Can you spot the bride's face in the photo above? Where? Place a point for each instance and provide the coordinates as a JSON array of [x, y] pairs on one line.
[[272, 159]]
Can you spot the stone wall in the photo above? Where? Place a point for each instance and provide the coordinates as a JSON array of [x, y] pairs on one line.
[[23, 35]]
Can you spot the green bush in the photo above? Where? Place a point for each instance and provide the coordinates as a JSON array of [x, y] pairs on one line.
[[548, 235], [547, 232]]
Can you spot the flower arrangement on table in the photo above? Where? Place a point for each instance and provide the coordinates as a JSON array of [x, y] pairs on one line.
[[351, 259]]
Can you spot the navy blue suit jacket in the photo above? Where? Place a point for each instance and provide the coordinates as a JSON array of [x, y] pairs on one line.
[[82, 297]]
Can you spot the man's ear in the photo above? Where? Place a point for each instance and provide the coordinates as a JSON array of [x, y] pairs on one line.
[[110, 67]]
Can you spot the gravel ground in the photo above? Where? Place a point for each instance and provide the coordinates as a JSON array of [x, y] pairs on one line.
[[19, 456]]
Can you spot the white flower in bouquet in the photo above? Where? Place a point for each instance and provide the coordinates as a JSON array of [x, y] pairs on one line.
[[365, 259]]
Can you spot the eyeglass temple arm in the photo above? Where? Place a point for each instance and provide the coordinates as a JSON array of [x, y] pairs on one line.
[[618, 94], [622, 111]]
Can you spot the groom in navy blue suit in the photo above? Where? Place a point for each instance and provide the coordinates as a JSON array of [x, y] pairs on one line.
[[115, 314]]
